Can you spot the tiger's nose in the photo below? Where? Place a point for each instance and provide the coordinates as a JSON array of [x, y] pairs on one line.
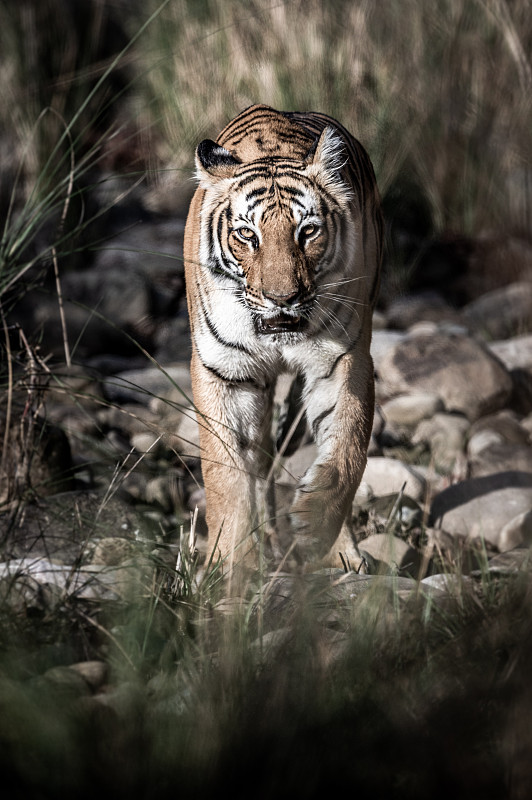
[[286, 300]]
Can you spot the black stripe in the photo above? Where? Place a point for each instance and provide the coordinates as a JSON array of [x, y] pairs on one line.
[[298, 203], [337, 360], [214, 332], [291, 190], [227, 379], [229, 268], [319, 419], [245, 125], [255, 193], [257, 174]]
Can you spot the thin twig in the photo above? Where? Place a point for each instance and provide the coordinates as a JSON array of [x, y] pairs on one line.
[[61, 309], [62, 221], [9, 391]]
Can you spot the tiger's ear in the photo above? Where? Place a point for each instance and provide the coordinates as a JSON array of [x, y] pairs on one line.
[[213, 163], [326, 158]]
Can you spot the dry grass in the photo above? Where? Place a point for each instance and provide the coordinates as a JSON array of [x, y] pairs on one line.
[[435, 90]]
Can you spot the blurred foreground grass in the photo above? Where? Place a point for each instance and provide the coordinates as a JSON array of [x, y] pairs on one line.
[[407, 700]]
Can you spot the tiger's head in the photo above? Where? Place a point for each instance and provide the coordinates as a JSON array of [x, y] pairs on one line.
[[273, 224]]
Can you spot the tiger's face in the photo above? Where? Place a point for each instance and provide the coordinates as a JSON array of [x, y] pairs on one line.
[[275, 240], [271, 228]]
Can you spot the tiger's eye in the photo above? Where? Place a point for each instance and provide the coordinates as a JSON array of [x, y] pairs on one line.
[[307, 231], [246, 233]]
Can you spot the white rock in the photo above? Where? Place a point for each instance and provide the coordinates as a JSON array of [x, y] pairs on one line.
[[187, 433], [459, 369], [296, 465], [363, 494], [451, 583], [482, 440], [483, 507], [515, 353], [145, 441], [502, 312], [388, 476], [424, 328], [410, 409], [390, 550], [91, 582], [445, 434], [516, 532], [382, 342]]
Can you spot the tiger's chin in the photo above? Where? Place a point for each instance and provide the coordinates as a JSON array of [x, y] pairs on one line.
[[280, 323]]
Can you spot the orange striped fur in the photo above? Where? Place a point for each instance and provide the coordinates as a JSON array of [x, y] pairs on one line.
[[282, 258]]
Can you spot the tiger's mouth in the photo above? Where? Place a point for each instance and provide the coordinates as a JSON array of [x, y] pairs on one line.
[[280, 323]]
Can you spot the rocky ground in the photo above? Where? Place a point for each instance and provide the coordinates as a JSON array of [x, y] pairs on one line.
[[107, 449]]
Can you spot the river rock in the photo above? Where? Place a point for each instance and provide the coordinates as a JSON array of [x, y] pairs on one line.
[[506, 423], [501, 457], [161, 239], [409, 409], [145, 385], [388, 476], [112, 550], [447, 582], [467, 377], [183, 424], [446, 435], [406, 310], [517, 531], [526, 423], [175, 431], [59, 526], [391, 551], [94, 673], [295, 466], [499, 442], [381, 342], [515, 353], [481, 507], [67, 682], [105, 312], [501, 313]]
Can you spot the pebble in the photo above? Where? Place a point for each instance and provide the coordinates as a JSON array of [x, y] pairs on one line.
[[94, 673]]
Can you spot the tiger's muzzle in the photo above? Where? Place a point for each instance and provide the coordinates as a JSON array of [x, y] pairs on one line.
[[281, 323]]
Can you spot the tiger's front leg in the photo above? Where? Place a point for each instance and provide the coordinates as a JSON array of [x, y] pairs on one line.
[[235, 441], [340, 413]]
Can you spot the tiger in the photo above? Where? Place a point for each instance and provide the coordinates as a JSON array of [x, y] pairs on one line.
[[282, 253]]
